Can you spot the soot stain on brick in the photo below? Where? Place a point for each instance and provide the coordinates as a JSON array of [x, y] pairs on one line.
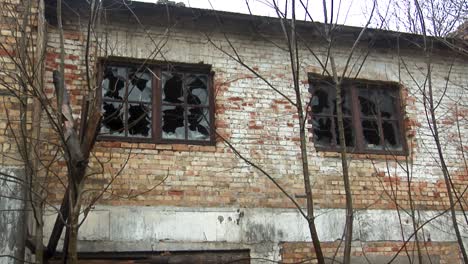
[[261, 232], [240, 216]]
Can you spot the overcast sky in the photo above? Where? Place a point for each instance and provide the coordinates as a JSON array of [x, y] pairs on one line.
[[352, 12]]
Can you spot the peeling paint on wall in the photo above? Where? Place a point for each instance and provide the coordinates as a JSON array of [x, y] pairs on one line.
[[261, 230]]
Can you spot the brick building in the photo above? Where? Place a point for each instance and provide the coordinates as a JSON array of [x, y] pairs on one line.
[[170, 93]]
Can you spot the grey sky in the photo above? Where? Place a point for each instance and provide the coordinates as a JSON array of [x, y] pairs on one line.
[[352, 12]]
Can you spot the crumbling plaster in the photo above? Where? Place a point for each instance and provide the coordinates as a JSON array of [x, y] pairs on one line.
[[143, 228]]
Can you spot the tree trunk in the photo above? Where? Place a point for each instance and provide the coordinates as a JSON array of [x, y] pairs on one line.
[[347, 185], [72, 254], [294, 58], [344, 165], [432, 122], [39, 250]]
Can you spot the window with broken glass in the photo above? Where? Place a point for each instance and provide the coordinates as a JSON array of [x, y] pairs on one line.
[[371, 117], [153, 104]]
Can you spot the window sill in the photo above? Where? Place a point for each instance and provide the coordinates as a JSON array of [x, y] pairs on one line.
[[374, 155], [160, 146]]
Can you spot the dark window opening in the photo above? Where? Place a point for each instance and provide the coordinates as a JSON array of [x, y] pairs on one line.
[[240, 256], [139, 120], [157, 105], [112, 122], [348, 129], [324, 116], [322, 130], [371, 116], [371, 133]]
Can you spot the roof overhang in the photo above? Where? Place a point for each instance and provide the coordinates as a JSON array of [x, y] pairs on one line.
[[167, 12]]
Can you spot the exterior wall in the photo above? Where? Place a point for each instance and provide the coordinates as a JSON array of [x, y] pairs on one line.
[[208, 183], [13, 181], [262, 126], [376, 252]]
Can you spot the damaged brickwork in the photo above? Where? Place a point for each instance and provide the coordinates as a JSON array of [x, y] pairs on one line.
[[374, 252], [13, 181], [210, 199]]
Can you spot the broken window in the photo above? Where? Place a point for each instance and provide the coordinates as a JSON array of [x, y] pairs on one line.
[[147, 102], [126, 106], [371, 117], [185, 108], [324, 116]]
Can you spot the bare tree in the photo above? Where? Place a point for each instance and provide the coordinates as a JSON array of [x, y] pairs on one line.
[[440, 23], [48, 119], [73, 139], [293, 43]]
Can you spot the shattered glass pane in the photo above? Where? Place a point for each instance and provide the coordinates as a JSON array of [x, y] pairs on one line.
[[112, 119], [391, 132], [368, 102], [322, 127], [172, 88], [198, 123], [348, 131], [324, 100], [321, 103], [140, 86], [387, 103], [197, 92], [139, 120], [377, 108], [113, 83], [173, 122], [370, 131]]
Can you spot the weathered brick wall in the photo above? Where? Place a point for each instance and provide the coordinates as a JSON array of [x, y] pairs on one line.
[[9, 109], [263, 126], [17, 36], [12, 34], [375, 252]]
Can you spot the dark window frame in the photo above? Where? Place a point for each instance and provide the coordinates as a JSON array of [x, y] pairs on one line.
[[156, 99], [351, 86]]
